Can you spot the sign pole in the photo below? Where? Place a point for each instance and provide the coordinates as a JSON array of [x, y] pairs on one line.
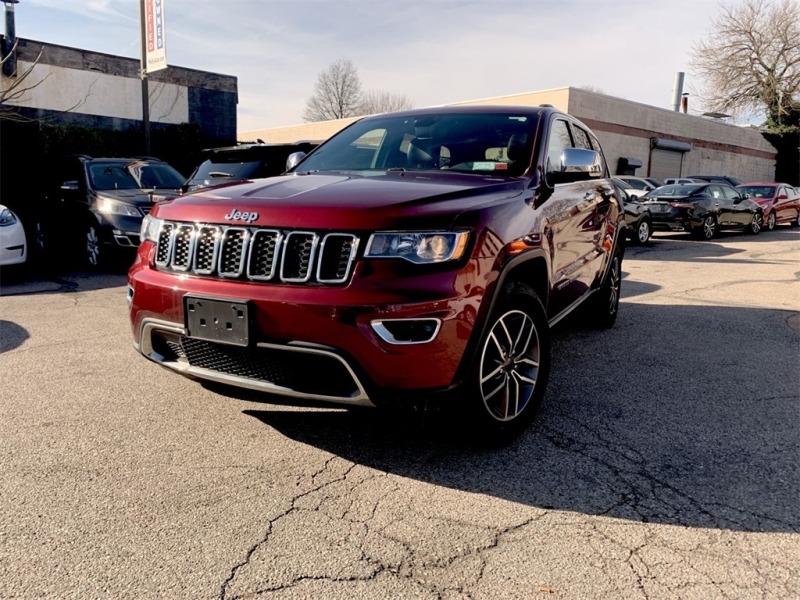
[[145, 87]]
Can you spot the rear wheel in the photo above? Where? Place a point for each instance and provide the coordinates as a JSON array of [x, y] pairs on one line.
[[644, 231], [512, 368], [708, 229], [756, 223], [602, 308], [770, 224]]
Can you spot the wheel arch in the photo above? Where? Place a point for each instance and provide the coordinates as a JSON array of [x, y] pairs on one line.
[[531, 268]]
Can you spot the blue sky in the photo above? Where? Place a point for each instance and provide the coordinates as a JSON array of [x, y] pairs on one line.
[[433, 51]]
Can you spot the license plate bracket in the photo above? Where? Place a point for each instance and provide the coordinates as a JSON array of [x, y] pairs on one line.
[[217, 320]]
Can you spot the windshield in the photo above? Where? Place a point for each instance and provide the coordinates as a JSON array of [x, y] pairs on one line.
[[757, 191], [673, 190], [133, 176], [216, 170], [623, 184], [496, 143]]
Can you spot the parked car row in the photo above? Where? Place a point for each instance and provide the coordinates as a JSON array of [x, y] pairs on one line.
[[93, 207], [703, 208]]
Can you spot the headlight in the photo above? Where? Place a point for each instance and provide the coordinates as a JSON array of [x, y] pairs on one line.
[[422, 247], [151, 227], [112, 207], [7, 218]]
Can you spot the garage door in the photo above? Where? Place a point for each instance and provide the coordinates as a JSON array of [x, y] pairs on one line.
[[665, 163]]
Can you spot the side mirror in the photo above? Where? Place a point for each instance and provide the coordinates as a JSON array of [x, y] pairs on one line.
[[294, 159], [69, 185], [577, 164], [782, 197], [745, 196]]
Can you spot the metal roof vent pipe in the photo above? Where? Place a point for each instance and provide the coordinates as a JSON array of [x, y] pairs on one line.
[[9, 52], [677, 91]]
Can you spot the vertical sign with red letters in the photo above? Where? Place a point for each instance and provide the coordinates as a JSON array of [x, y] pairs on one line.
[[155, 35]]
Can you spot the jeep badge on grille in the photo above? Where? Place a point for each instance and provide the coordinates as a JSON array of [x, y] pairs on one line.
[[237, 215]]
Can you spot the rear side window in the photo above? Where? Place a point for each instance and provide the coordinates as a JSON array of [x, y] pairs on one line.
[[729, 192]]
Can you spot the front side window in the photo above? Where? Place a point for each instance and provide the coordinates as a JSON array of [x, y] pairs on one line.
[[559, 141], [500, 144]]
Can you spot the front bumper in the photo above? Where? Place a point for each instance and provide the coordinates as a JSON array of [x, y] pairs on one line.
[[331, 327]]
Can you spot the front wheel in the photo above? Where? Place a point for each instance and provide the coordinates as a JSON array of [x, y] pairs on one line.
[[755, 224], [513, 366], [94, 253]]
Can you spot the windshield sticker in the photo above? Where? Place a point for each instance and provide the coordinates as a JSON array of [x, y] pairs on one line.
[[483, 166]]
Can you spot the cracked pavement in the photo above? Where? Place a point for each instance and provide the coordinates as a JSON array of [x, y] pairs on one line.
[[664, 463]]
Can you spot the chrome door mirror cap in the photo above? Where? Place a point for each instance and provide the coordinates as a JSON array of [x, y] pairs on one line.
[[581, 161], [294, 159]]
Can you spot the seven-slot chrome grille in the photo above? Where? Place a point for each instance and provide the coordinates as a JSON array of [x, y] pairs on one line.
[[270, 255]]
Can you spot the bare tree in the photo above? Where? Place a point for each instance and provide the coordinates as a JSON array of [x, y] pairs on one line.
[[337, 93], [750, 60], [379, 101], [14, 88]]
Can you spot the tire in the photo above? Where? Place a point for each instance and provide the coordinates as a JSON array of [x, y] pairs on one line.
[[756, 223], [796, 222], [603, 306], [511, 369], [643, 232], [708, 229], [93, 252], [770, 224]]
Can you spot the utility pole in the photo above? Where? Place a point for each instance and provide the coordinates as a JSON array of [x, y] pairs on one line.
[[145, 87]]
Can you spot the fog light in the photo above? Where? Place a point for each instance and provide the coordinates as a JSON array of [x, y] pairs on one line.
[[407, 331]]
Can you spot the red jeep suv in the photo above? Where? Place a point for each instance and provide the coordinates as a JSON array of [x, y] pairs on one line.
[[413, 255]]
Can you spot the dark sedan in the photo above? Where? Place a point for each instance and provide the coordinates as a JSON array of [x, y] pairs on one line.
[[637, 216], [702, 209]]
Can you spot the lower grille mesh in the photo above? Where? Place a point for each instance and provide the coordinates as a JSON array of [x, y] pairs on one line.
[[301, 372]]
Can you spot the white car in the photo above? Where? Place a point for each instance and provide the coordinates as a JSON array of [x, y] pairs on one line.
[[13, 247], [682, 181]]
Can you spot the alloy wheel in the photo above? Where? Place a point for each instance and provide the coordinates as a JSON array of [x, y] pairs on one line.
[[755, 224], [771, 221], [613, 287], [643, 234], [509, 365], [92, 246], [709, 227]]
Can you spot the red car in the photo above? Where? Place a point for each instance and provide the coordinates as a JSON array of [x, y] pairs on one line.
[[780, 202], [413, 255]]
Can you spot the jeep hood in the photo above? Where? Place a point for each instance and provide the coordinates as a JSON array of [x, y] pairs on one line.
[[345, 201]]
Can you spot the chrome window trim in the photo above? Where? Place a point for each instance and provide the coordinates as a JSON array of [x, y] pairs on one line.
[[214, 251], [190, 251], [386, 335], [173, 226], [350, 259], [275, 259], [314, 243], [242, 258]]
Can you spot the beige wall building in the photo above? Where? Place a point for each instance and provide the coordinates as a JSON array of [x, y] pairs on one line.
[[667, 143]]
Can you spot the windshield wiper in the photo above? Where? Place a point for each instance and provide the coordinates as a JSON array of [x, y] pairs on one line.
[[401, 169], [214, 174]]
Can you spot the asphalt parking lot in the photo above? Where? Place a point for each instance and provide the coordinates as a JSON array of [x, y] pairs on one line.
[[664, 463]]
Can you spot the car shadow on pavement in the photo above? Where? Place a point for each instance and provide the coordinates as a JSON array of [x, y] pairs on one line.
[[684, 415], [662, 246], [30, 283], [11, 336]]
